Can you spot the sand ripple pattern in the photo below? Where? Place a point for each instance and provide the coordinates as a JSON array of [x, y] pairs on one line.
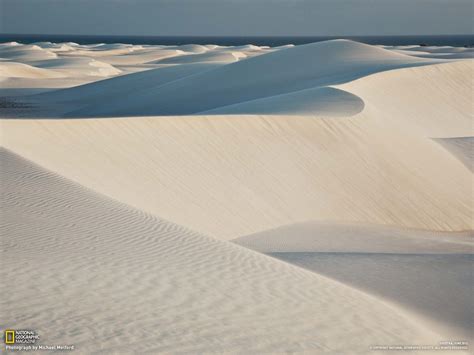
[[86, 270]]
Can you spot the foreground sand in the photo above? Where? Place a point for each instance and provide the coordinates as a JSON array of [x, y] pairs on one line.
[[245, 144], [106, 277]]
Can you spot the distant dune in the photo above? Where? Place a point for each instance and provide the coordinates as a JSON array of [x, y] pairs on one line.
[[281, 72]]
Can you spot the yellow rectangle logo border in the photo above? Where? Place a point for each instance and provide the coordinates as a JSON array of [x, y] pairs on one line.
[[8, 334]]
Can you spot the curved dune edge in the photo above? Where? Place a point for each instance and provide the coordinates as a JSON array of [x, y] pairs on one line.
[[324, 101], [75, 254], [461, 147], [433, 100], [427, 273], [328, 237]]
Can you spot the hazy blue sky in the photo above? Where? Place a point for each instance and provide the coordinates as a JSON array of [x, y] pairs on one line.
[[237, 17]]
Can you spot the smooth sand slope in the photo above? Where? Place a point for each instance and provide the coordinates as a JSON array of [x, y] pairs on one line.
[[106, 277], [429, 273]]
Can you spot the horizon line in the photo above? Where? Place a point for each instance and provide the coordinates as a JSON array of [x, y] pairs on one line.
[[227, 36]]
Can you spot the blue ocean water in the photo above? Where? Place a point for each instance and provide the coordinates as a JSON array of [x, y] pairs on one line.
[[437, 40]]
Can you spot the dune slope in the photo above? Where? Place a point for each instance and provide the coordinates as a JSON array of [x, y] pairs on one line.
[[240, 175], [146, 285]]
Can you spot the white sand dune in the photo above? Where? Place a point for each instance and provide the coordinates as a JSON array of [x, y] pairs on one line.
[[193, 48], [130, 55], [20, 70], [144, 56], [104, 50], [372, 144], [57, 47], [428, 273], [249, 47], [9, 44], [284, 71], [78, 66], [26, 53], [121, 280], [79, 62], [29, 69]]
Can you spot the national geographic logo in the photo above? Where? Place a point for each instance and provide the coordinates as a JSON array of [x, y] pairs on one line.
[[25, 340], [22, 336], [9, 337]]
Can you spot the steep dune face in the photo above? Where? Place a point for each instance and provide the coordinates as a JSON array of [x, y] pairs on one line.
[[429, 273], [135, 276], [283, 71]]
